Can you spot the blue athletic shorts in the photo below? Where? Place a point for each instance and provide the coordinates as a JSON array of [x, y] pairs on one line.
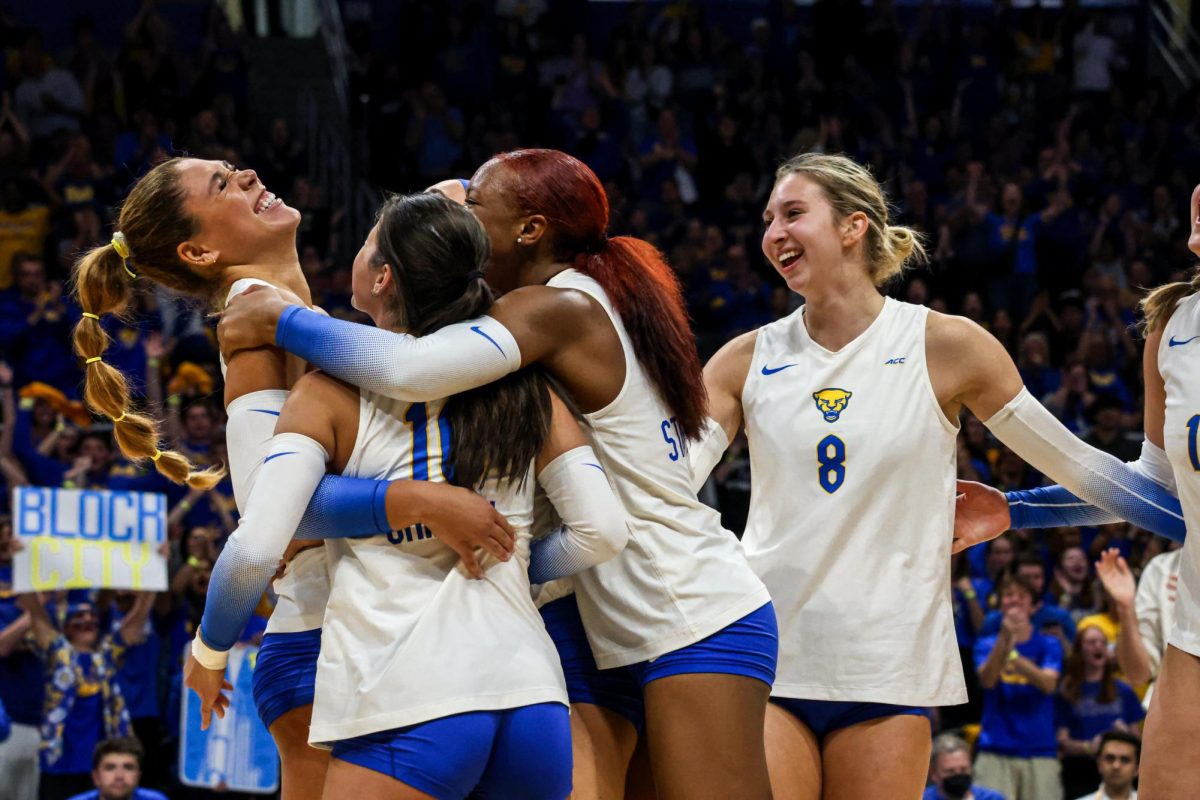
[[285, 672], [520, 753], [746, 647], [749, 647], [612, 689], [823, 717]]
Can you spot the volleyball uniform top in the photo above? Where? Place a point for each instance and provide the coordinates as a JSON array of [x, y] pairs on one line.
[[303, 588], [1179, 363], [408, 636], [681, 576], [852, 512]]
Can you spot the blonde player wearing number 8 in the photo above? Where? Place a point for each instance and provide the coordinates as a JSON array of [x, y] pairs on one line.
[[850, 407]]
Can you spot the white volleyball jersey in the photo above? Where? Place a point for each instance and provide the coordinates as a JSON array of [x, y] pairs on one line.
[[303, 588], [409, 637], [681, 577], [852, 512], [1179, 363]]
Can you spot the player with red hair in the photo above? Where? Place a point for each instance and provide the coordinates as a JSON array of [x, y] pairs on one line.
[[678, 621]]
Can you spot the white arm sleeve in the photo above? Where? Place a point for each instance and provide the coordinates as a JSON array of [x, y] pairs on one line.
[[594, 523], [1103, 480], [286, 481], [248, 434], [705, 454]]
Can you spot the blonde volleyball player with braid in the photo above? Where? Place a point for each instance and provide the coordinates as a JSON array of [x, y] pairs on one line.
[[208, 230]]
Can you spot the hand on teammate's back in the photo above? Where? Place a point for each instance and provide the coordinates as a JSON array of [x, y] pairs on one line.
[[249, 319], [465, 522]]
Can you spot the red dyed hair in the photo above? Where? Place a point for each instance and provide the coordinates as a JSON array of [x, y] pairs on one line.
[[641, 286]]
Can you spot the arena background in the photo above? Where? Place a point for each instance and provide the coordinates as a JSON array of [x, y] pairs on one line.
[[1046, 151]]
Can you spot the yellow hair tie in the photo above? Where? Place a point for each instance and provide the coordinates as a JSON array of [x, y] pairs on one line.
[[90, 315], [120, 245], [93, 359], [118, 419], [157, 455]]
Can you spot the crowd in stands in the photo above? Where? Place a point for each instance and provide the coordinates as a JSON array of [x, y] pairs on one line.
[[1048, 170]]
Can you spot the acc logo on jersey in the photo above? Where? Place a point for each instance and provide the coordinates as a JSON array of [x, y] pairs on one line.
[[832, 402]]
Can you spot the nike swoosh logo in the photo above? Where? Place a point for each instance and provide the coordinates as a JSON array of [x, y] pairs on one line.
[[277, 455], [1174, 343], [597, 466], [768, 371], [265, 411], [479, 330]]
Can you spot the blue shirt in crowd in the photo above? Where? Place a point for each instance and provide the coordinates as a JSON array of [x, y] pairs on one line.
[[83, 727], [21, 680], [1018, 718], [1087, 718], [980, 793], [138, 794]]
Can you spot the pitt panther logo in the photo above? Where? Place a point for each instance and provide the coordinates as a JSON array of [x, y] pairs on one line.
[[832, 402]]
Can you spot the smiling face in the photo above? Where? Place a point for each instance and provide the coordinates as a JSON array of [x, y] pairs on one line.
[[239, 220], [801, 235]]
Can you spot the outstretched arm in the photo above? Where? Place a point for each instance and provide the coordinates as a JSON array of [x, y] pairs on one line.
[[971, 368]]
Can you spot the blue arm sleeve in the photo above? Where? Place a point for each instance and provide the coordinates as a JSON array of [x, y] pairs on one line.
[[345, 507], [1054, 506], [450, 360]]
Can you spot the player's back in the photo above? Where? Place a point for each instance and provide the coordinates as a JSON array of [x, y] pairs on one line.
[[408, 636]]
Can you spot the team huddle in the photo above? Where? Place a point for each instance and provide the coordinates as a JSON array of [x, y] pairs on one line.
[[498, 579]]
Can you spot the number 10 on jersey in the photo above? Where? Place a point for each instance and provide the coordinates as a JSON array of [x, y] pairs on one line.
[[831, 463]]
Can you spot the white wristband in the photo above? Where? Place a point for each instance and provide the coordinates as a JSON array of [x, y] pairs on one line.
[[206, 656]]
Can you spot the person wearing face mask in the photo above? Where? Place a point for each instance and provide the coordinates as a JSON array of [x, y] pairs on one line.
[[950, 775]]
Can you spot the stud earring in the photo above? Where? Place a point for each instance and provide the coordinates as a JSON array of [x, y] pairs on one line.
[[519, 240]]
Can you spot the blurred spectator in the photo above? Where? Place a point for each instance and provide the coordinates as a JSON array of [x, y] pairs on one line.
[[1072, 584], [1117, 761], [1108, 431], [117, 771], [950, 772], [35, 327], [1018, 670], [1146, 611], [48, 98], [83, 702], [24, 226], [1047, 617], [21, 685], [435, 134], [1090, 702]]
